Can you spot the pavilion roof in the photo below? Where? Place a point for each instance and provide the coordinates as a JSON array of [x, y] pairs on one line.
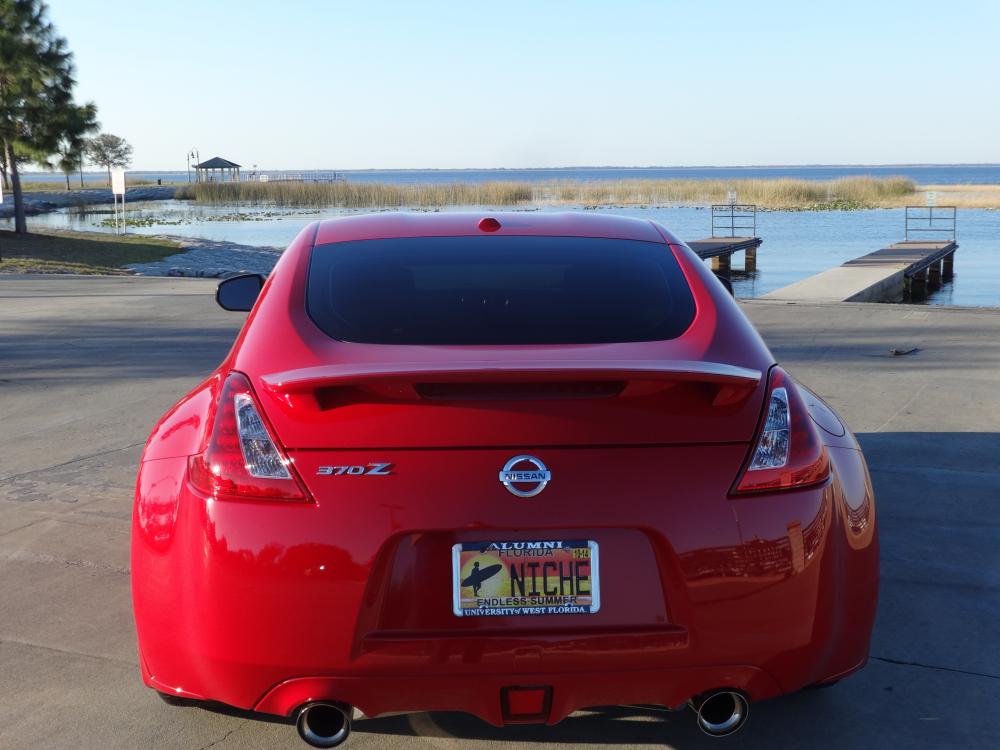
[[217, 162]]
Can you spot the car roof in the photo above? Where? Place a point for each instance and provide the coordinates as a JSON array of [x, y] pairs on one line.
[[450, 224]]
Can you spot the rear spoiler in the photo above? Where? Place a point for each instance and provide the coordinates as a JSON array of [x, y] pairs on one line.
[[738, 379]]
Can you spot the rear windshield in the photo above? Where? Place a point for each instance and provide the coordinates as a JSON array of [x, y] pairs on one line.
[[498, 290]]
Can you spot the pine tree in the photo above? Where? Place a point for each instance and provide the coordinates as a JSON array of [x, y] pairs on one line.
[[36, 88]]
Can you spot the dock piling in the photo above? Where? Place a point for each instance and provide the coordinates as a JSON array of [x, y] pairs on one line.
[[934, 275], [918, 284], [722, 264]]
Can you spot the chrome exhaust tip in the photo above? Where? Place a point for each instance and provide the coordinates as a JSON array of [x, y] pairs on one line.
[[324, 724], [720, 712]]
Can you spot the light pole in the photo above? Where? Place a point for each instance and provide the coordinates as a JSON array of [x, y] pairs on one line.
[[192, 154]]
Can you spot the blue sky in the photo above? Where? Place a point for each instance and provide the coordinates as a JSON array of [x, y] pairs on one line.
[[346, 85]]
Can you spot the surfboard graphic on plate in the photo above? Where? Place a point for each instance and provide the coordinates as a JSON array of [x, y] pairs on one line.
[[478, 575], [525, 577]]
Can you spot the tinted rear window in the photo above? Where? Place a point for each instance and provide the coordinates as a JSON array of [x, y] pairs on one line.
[[498, 290]]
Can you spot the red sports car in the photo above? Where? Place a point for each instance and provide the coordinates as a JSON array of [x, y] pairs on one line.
[[513, 466]]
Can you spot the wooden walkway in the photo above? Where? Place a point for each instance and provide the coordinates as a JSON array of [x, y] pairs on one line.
[[901, 271], [721, 249], [915, 255]]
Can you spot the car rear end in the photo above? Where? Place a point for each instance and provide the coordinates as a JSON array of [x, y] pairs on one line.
[[512, 472]]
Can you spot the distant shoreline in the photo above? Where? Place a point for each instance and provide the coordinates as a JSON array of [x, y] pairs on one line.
[[768, 194], [595, 167], [936, 174]]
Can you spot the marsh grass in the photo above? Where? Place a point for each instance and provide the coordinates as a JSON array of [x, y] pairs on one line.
[[847, 192], [776, 193], [360, 194]]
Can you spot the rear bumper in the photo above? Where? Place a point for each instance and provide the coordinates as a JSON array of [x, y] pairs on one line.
[[481, 696], [252, 605]]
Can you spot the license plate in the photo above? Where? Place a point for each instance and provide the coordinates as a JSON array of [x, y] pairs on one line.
[[552, 577]]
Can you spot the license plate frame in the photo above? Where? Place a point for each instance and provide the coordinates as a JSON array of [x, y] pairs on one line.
[[522, 552]]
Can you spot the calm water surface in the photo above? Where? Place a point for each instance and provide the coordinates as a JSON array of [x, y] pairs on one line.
[[797, 244]]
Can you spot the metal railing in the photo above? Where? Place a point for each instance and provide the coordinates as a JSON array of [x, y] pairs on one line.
[[732, 217], [936, 221], [292, 177]]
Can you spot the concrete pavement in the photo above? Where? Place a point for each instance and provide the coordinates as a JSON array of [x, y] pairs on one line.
[[88, 364]]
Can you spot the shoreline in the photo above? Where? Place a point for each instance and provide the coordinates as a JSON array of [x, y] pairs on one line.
[[42, 202], [777, 194], [96, 175], [60, 250]]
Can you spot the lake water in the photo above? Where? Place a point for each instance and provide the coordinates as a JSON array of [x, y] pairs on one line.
[[797, 244], [922, 174]]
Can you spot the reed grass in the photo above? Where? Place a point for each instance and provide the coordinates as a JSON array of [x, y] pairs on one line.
[[360, 194], [847, 192], [774, 193]]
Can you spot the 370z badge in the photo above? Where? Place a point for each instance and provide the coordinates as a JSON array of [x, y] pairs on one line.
[[365, 470]]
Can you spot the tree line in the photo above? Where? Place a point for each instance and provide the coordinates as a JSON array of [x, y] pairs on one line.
[[40, 122], [105, 150]]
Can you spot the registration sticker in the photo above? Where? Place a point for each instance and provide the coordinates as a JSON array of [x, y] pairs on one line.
[[549, 577]]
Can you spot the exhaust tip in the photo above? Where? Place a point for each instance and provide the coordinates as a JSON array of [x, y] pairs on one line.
[[324, 724], [721, 712]]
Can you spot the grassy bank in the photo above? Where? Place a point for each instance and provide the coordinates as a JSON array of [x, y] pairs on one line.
[[848, 192], [79, 252], [59, 186]]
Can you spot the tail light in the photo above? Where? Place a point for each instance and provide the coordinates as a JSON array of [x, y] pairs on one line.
[[788, 453], [241, 460]]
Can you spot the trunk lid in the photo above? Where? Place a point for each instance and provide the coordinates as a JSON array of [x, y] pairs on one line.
[[658, 515]]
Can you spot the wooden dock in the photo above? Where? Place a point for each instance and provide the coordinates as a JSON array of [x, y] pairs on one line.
[[903, 271], [727, 221], [926, 264], [721, 249]]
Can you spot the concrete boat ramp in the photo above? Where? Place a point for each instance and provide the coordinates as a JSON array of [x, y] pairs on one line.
[[902, 271], [896, 272]]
